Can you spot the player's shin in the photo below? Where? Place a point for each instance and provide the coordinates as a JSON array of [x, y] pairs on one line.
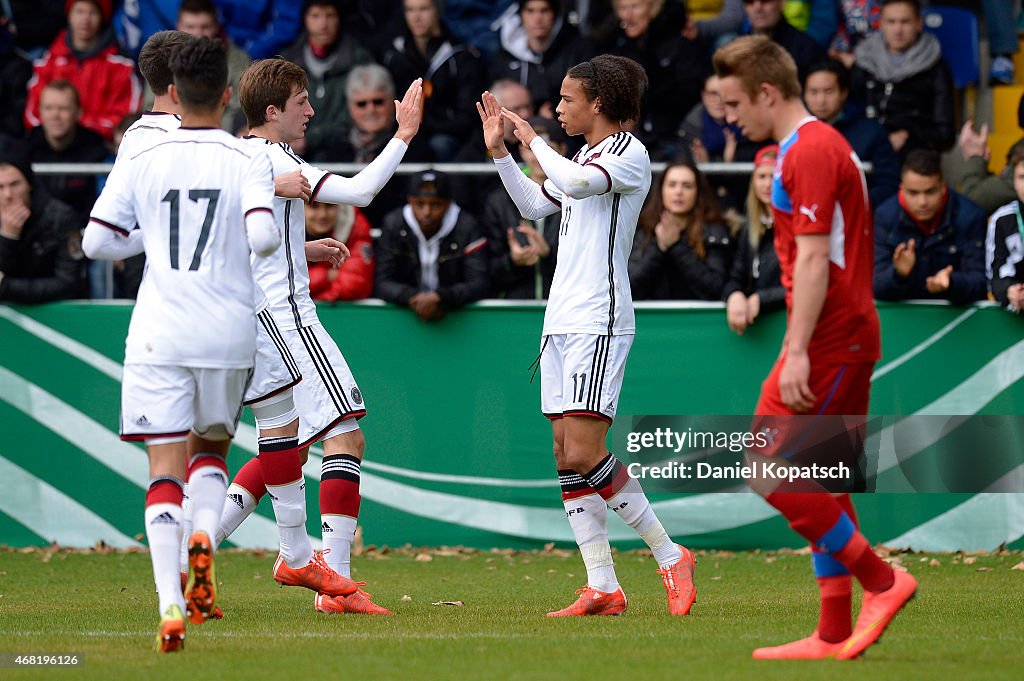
[[282, 473], [626, 497], [163, 534], [208, 483], [186, 527], [339, 509], [243, 496], [588, 518]]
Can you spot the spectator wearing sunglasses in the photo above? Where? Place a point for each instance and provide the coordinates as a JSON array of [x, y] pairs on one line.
[[370, 100]]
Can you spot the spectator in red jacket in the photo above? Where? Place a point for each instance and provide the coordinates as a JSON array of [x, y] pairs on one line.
[[86, 55], [354, 279]]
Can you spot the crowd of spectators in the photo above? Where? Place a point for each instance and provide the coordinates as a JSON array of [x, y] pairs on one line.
[[69, 84]]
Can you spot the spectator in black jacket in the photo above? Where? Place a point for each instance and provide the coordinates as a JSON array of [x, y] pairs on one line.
[[681, 250], [764, 17], [826, 92], [40, 238], [755, 282], [15, 72], [929, 240], [902, 81], [649, 33], [1004, 245], [431, 256], [62, 139], [452, 75], [537, 47], [523, 252]]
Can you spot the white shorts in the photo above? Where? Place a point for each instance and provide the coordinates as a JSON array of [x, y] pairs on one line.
[[581, 374], [276, 370], [169, 401], [328, 393]]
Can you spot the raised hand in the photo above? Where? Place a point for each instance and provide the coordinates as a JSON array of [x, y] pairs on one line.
[[524, 131], [409, 112], [493, 125], [903, 258]]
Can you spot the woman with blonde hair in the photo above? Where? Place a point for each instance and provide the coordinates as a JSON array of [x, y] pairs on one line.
[[755, 285]]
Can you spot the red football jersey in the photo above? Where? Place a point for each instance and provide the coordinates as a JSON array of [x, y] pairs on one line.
[[819, 188]]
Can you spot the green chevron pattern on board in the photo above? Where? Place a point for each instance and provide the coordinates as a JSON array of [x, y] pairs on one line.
[[457, 450]]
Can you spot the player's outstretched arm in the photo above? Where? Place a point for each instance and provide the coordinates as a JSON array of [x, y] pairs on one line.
[[360, 189], [572, 179], [527, 194]]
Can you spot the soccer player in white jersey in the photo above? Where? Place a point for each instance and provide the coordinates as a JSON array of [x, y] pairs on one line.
[[269, 395], [589, 324], [192, 339], [273, 95]]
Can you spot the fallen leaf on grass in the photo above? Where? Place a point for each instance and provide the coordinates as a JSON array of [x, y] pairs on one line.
[[424, 558], [970, 560], [457, 604], [984, 569], [1018, 566], [406, 598]]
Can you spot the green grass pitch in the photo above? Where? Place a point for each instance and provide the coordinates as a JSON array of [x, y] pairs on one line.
[[967, 622]]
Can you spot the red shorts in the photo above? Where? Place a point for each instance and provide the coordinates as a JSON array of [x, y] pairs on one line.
[[839, 389]]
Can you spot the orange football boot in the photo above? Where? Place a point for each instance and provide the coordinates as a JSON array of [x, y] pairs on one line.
[[678, 579], [810, 648], [594, 602], [201, 590], [358, 602], [876, 611], [171, 638], [316, 576]]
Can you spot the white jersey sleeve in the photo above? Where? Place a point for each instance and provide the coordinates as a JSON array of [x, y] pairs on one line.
[[571, 178], [532, 200], [114, 208], [360, 189], [257, 199]]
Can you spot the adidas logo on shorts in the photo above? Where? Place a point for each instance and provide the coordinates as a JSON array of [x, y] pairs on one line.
[[142, 421], [164, 518], [237, 498], [326, 528]]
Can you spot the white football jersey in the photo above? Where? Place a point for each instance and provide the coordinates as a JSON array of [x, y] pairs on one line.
[[284, 276], [189, 191], [590, 292], [150, 128]]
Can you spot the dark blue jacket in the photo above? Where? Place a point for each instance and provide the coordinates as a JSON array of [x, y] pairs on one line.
[[959, 240], [871, 142]]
